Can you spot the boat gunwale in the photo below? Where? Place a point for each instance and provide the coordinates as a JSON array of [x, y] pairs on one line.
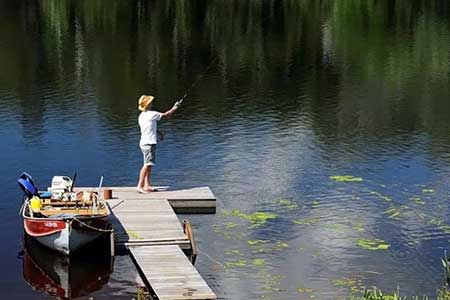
[[81, 217]]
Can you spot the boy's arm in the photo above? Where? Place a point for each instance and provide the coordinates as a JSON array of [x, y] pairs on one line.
[[171, 111]]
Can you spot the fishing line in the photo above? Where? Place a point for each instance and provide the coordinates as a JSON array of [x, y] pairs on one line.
[[196, 81], [212, 259]]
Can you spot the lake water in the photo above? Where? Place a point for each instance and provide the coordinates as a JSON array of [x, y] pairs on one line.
[[296, 92]]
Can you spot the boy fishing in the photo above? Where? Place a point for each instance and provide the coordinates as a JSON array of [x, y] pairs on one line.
[[148, 124]]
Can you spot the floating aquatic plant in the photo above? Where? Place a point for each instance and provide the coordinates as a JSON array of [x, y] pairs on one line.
[[346, 178], [230, 225], [385, 198], [238, 263], [281, 245], [233, 252], [352, 283], [418, 200], [256, 242], [358, 227], [258, 262], [288, 204], [256, 219], [336, 227], [393, 212], [375, 244], [305, 221]]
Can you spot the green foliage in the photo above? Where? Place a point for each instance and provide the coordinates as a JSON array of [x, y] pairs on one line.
[[376, 294]]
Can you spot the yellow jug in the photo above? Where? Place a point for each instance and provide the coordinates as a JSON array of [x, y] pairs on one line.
[[36, 204]]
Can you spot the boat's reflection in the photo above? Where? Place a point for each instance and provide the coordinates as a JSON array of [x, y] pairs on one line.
[[66, 277]]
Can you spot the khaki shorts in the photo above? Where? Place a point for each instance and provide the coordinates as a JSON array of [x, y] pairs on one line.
[[149, 153]]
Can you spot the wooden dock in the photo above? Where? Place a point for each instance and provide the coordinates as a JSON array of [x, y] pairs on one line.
[[169, 273], [147, 225], [200, 200]]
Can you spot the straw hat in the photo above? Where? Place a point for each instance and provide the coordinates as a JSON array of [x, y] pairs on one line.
[[144, 101]]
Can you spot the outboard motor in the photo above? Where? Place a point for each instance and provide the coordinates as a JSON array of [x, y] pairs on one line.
[[26, 183]]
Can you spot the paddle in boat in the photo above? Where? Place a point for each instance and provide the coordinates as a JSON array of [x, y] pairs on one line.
[[60, 218]]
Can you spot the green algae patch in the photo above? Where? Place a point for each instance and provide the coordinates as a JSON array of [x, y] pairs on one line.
[[256, 242], [375, 244], [305, 221], [315, 204], [258, 262], [233, 252], [418, 200], [393, 212], [281, 245], [336, 227], [383, 197], [230, 225], [287, 204], [241, 263], [346, 178], [353, 284], [256, 219], [359, 227]]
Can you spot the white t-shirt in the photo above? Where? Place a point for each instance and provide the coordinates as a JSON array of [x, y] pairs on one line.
[[147, 121]]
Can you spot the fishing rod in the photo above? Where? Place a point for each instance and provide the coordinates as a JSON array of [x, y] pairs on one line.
[[178, 103]]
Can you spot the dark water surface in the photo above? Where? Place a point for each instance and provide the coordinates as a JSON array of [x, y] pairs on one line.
[[298, 91]]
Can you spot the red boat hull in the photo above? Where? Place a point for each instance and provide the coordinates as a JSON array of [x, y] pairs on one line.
[[38, 228]]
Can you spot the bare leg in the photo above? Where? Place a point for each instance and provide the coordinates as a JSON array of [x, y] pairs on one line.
[[147, 185], [142, 177]]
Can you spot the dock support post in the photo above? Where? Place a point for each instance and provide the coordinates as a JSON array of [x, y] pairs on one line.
[[111, 241]]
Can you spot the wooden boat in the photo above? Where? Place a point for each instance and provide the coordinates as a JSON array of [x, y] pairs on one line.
[[66, 221]]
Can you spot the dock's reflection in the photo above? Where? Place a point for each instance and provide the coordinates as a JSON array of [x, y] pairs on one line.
[[66, 277]]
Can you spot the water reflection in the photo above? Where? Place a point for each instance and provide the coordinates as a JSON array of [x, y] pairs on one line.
[[65, 277]]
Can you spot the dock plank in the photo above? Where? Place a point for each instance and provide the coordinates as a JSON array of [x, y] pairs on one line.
[[192, 200], [170, 274], [142, 220], [147, 225]]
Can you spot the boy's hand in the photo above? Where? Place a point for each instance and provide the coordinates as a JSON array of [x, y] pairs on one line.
[[177, 104], [160, 135]]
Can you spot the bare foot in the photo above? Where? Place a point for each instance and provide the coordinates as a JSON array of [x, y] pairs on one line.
[[142, 190], [149, 189]]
